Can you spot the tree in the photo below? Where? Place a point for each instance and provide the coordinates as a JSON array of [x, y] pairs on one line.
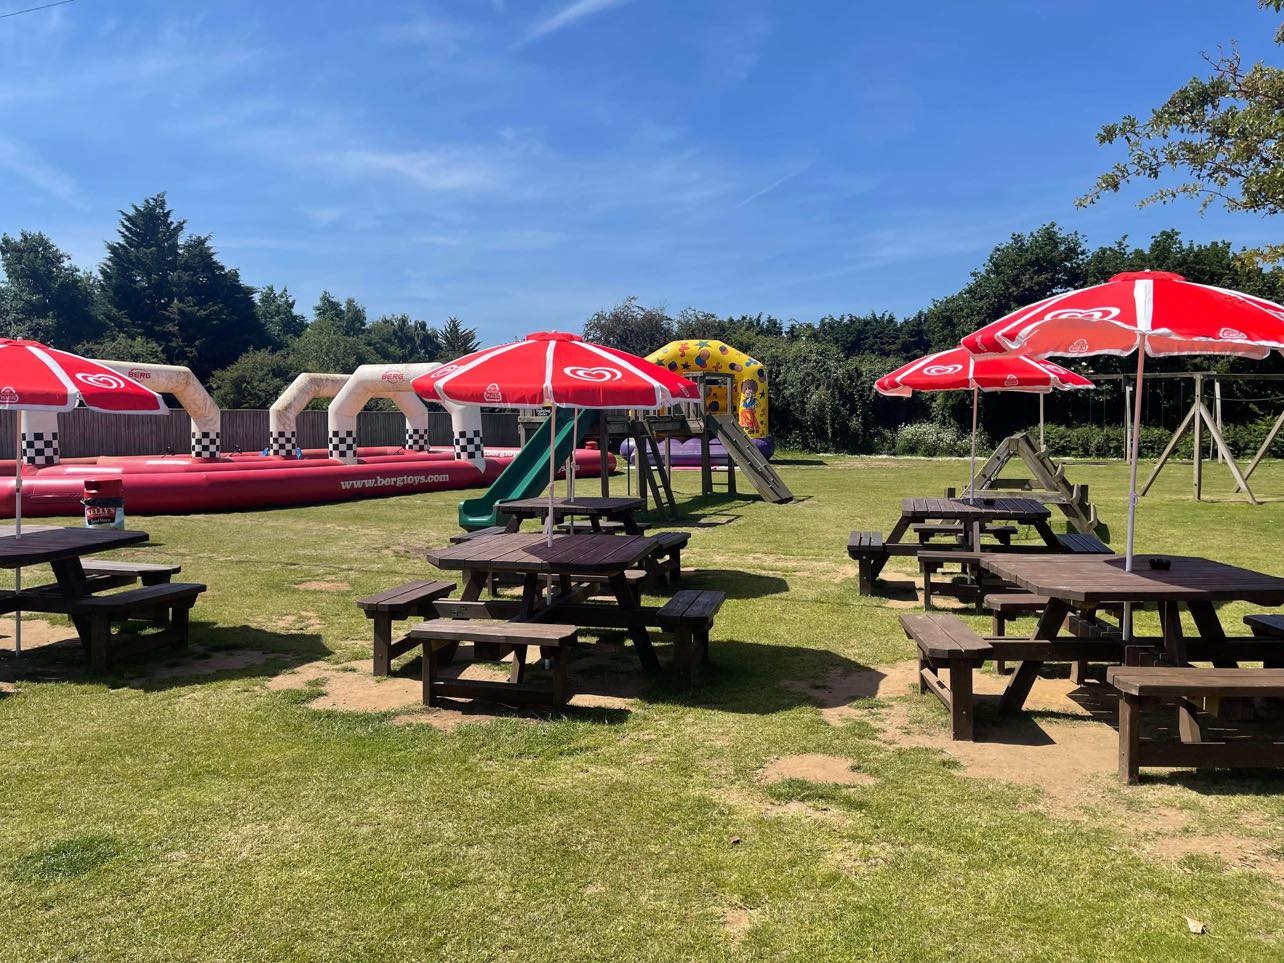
[[346, 318], [213, 320], [254, 380], [123, 347], [630, 327], [276, 311], [43, 295], [457, 340], [138, 273], [399, 338], [1222, 135]]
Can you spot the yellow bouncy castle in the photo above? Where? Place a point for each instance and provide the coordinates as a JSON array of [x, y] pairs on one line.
[[749, 384]]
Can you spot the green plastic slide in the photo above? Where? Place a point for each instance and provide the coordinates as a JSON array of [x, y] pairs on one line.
[[527, 474]]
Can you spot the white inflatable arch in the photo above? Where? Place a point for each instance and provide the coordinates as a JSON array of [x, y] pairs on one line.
[[40, 428], [391, 381], [283, 416]]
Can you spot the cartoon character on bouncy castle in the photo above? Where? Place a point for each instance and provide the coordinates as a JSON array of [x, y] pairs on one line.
[[749, 407]]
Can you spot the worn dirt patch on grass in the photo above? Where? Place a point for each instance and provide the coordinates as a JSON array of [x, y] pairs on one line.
[[815, 767], [322, 586], [223, 661], [1242, 852], [37, 633], [840, 689], [736, 920], [296, 622]]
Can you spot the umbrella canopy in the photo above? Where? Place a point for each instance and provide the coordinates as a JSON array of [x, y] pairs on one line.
[[36, 377], [555, 369], [1159, 310], [959, 369]]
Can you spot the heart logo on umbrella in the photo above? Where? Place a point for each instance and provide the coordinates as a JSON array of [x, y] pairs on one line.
[[940, 370], [593, 374], [97, 379], [1230, 334], [1082, 314]]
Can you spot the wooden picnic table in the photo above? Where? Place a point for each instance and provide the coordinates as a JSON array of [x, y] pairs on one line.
[[62, 549], [1088, 581], [595, 509], [530, 555], [973, 513]]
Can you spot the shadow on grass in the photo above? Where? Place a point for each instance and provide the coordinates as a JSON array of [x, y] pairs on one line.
[[734, 583], [217, 652]]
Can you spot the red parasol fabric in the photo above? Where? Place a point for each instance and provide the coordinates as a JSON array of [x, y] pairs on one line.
[[1160, 310], [36, 377], [959, 369], [553, 368]]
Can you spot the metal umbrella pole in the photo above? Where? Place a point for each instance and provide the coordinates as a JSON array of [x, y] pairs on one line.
[[17, 525]]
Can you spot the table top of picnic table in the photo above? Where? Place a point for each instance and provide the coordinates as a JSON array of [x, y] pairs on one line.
[[565, 505], [980, 508], [1102, 578], [44, 544], [529, 552]]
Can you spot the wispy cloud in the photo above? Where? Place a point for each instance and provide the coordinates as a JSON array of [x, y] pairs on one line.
[[570, 15], [431, 170], [23, 162], [778, 182]]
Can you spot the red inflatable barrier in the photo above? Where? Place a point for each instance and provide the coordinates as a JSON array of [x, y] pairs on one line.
[[176, 485]]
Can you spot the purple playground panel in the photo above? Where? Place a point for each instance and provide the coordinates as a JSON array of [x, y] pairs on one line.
[[686, 453]]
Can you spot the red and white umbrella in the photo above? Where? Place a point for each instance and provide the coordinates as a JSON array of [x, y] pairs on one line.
[[555, 369], [959, 369], [36, 377], [1154, 313]]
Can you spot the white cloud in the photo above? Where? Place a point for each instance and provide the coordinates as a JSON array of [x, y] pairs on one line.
[[23, 162], [431, 170], [569, 15]]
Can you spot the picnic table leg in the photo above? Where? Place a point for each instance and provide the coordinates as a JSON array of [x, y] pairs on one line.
[[895, 535], [1018, 687], [474, 585], [1174, 641], [630, 524], [1210, 629], [70, 575], [595, 523], [641, 639], [1129, 736], [514, 524], [382, 643], [1046, 533]]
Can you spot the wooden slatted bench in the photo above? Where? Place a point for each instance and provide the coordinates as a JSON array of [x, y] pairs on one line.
[[411, 600], [554, 641], [462, 537], [947, 642], [1080, 543], [1184, 686], [689, 615], [149, 573], [1012, 605], [1266, 626], [868, 551], [666, 564], [100, 612]]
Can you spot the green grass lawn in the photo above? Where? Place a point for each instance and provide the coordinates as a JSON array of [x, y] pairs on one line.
[[157, 814]]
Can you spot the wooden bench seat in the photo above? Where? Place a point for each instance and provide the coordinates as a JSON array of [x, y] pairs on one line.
[[1184, 686], [411, 600], [1079, 543], [480, 533], [149, 573], [554, 641], [946, 641], [665, 565], [689, 615], [169, 604], [980, 581], [1266, 626], [868, 551]]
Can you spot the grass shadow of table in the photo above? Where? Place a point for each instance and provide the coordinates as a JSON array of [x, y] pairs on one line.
[[215, 653], [734, 583]]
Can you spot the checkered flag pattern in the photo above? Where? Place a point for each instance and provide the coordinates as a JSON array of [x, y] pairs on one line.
[[468, 445], [205, 444], [417, 439], [282, 443], [343, 444], [40, 448]]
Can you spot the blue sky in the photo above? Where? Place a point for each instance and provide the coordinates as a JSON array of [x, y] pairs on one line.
[[521, 163]]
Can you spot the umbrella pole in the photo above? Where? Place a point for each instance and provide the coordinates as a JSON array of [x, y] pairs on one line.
[[971, 477], [17, 525], [552, 470], [1132, 478], [1042, 446]]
